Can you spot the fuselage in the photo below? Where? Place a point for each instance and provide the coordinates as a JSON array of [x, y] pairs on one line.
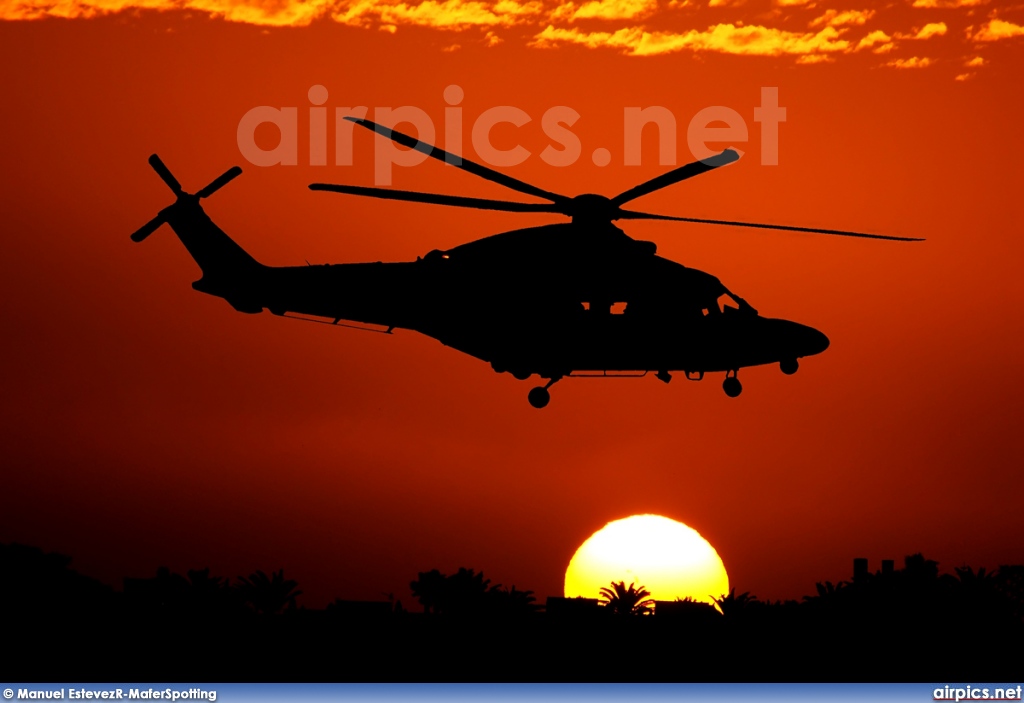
[[532, 303], [581, 297]]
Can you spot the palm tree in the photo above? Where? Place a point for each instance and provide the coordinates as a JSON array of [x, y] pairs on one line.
[[731, 605], [975, 580], [505, 601], [209, 594], [269, 595], [623, 600], [1010, 583], [919, 569], [428, 589], [827, 590], [979, 591], [465, 593]]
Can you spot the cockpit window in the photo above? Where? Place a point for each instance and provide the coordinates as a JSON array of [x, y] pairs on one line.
[[726, 303]]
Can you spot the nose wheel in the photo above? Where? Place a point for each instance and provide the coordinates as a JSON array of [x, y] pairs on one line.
[[789, 366], [731, 385], [539, 397]]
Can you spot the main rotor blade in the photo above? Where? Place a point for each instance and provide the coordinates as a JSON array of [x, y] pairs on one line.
[[436, 198], [459, 161], [630, 215], [165, 174], [676, 175], [220, 181], [148, 228]]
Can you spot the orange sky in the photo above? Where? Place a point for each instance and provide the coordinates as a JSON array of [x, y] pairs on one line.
[[146, 424]]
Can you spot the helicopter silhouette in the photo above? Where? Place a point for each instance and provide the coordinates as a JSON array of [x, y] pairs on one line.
[[574, 299]]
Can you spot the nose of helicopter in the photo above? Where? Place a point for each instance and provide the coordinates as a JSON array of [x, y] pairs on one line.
[[811, 341], [794, 340]]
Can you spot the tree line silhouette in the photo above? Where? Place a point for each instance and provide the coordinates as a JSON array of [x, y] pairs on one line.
[[912, 623], [467, 593]]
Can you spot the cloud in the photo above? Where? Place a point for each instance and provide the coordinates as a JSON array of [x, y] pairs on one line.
[[274, 13], [453, 13], [605, 10], [878, 41], [835, 18], [948, 3], [449, 14], [633, 28], [518, 9], [815, 58], [751, 40], [998, 29], [445, 14], [932, 29], [912, 62]]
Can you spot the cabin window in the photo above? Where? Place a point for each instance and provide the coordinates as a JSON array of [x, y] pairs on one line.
[[613, 308]]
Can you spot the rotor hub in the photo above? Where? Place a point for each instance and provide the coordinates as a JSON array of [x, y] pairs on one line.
[[591, 208]]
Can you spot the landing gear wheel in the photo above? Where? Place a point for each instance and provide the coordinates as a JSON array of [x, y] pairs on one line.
[[539, 397], [732, 386], [789, 366], [521, 374]]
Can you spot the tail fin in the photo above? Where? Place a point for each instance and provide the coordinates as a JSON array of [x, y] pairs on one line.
[[228, 270]]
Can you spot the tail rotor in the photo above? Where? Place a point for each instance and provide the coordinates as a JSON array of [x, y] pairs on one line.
[[148, 228], [219, 182], [167, 177]]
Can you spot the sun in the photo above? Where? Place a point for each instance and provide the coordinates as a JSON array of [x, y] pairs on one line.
[[666, 557]]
